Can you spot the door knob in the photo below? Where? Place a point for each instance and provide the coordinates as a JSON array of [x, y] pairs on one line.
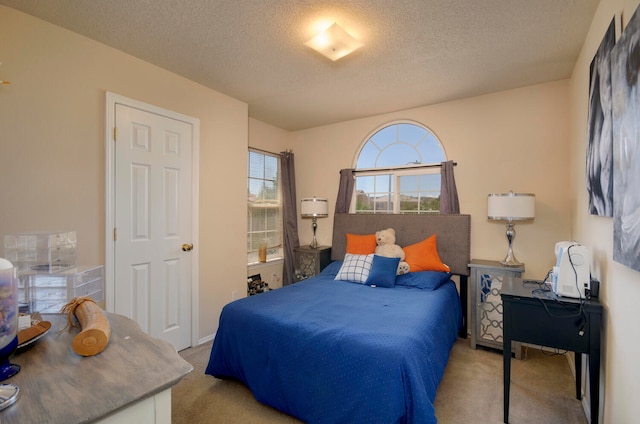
[[187, 247]]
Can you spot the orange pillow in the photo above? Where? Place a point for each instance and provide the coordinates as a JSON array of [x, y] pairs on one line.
[[361, 244], [423, 256]]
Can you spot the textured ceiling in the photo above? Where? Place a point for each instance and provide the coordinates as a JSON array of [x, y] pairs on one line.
[[416, 53]]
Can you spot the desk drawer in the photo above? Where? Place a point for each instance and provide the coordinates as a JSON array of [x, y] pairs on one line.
[[530, 322]]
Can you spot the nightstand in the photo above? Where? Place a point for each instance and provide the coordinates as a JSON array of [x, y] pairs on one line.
[[310, 261], [486, 305]]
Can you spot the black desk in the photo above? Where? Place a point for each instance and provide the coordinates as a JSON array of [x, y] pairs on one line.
[[552, 323]]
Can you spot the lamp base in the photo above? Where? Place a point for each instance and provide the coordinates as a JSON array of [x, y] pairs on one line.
[[512, 262], [314, 225], [510, 259]]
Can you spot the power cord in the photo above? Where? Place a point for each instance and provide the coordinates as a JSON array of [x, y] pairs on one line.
[[582, 299], [543, 287], [575, 273], [544, 292]]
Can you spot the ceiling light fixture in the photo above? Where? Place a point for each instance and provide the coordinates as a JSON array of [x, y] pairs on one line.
[[334, 42]]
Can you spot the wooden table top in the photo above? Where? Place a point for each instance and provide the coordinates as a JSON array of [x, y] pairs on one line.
[[59, 386]]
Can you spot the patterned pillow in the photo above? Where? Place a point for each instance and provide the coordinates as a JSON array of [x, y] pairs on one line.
[[355, 268]]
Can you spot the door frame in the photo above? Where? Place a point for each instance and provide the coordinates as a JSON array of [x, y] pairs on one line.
[[111, 100]]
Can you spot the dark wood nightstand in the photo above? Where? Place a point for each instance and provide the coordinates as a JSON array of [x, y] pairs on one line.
[[310, 261]]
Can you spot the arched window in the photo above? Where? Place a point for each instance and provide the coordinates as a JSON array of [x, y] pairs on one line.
[[393, 173]]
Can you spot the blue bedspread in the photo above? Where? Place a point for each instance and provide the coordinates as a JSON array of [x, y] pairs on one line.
[[329, 351]]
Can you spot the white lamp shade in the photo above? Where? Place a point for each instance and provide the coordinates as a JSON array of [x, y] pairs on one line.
[[314, 208], [511, 206]]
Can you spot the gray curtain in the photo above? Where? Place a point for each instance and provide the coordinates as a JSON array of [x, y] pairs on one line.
[[345, 190], [289, 217], [448, 191]]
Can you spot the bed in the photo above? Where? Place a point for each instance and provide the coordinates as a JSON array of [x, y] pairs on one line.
[[331, 351]]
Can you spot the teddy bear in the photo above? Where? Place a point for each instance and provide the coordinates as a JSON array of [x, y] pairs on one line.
[[387, 247]]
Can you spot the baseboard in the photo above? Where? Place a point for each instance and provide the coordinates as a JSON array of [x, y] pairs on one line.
[[586, 401], [206, 339], [572, 364], [587, 408]]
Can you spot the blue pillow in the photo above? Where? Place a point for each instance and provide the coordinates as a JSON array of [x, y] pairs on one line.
[[355, 268], [383, 271], [428, 280]]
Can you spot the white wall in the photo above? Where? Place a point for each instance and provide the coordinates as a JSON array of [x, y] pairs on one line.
[[275, 140], [620, 286], [530, 139], [52, 161], [513, 140]]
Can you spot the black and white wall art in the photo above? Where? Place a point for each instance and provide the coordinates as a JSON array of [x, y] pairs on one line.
[[625, 83], [599, 129]]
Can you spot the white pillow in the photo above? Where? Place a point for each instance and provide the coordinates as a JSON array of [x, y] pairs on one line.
[[355, 268]]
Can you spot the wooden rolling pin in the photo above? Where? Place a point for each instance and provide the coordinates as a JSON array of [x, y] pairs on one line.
[[96, 330]]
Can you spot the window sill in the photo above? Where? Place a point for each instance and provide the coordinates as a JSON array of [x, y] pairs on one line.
[[270, 262]]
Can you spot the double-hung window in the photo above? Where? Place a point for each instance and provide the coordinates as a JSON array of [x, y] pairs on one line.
[[393, 173], [264, 214]]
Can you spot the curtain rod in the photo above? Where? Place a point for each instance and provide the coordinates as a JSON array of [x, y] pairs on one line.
[[429, 165], [255, 149], [268, 152]]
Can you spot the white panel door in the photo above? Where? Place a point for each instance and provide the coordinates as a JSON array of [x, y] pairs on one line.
[[153, 200]]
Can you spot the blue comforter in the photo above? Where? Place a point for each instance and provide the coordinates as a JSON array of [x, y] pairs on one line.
[[328, 351]]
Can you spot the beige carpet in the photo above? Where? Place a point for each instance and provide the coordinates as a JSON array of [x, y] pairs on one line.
[[542, 391]]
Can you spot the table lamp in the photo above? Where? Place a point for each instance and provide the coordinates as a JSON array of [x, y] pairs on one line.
[[511, 207], [314, 208]]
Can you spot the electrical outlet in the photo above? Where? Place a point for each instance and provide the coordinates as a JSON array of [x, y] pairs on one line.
[[274, 279], [234, 295]]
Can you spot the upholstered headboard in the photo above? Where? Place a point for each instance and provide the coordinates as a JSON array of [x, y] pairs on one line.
[[453, 234]]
